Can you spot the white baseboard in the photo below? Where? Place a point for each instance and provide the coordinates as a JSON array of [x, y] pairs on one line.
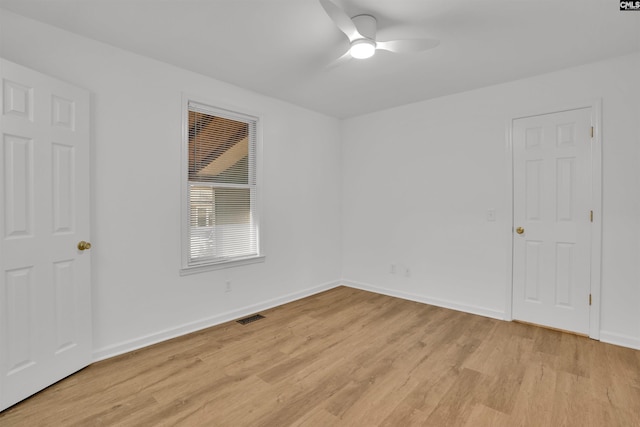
[[156, 337], [473, 309], [147, 340], [620, 339]]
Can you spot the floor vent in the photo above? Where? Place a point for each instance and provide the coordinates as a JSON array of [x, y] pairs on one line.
[[250, 319]]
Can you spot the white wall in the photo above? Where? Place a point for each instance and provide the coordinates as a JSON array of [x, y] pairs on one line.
[[139, 296], [419, 179]]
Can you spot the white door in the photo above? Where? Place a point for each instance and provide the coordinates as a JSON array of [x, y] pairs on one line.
[[552, 215], [45, 289]]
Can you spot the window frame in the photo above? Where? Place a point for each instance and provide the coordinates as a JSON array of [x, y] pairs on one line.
[[234, 113]]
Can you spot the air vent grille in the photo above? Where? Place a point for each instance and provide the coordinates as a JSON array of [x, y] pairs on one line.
[[250, 319]]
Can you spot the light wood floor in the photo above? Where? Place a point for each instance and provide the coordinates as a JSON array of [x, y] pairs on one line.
[[352, 358]]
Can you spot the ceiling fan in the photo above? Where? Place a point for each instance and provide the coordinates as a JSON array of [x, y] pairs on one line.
[[361, 31]]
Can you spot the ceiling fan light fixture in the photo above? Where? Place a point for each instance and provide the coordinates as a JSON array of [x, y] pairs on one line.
[[362, 49]]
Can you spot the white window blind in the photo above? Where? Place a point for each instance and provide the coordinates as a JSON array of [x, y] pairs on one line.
[[221, 186]]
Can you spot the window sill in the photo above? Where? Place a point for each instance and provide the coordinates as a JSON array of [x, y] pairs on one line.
[[185, 271]]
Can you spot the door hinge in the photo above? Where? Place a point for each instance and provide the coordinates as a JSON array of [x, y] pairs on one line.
[[591, 131], [591, 216], [589, 299]]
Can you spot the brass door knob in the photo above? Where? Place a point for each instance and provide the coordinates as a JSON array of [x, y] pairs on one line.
[[519, 230], [82, 245]]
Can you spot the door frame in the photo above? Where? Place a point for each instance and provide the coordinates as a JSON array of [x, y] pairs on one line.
[[596, 203]]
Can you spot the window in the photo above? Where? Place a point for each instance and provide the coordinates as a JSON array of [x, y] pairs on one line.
[[219, 170]]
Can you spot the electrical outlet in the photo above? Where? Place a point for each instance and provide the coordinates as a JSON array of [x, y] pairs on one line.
[[227, 288], [407, 272], [491, 215], [392, 270]]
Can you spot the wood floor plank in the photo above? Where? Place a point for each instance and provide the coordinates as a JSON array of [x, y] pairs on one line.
[[483, 416], [535, 398], [384, 393], [348, 357], [456, 405], [318, 417], [404, 415]]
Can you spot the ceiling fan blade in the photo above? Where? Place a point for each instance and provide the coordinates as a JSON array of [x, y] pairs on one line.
[[341, 19], [342, 60], [408, 45]]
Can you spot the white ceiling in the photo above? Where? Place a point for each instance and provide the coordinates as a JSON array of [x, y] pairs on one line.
[[281, 47]]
